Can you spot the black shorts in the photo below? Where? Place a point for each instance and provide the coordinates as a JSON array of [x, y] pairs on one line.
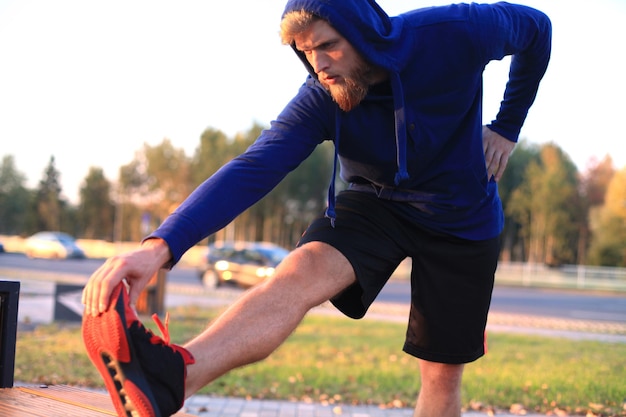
[[451, 278]]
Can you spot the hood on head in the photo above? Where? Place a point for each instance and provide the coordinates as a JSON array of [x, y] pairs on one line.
[[378, 38], [367, 27]]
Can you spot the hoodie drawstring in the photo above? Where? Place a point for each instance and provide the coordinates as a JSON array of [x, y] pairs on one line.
[[400, 121], [330, 210]]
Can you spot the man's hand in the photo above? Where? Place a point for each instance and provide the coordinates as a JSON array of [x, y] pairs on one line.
[[497, 151], [137, 267]]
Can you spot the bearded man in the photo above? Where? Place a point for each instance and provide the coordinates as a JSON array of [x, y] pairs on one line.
[[401, 98]]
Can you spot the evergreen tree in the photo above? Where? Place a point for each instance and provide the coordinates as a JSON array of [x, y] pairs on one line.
[[15, 199], [96, 210], [48, 199]]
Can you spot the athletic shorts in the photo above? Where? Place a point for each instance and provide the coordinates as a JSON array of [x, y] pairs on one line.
[[451, 278]]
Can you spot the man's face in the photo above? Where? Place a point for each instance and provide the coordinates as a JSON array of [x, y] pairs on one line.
[[339, 67]]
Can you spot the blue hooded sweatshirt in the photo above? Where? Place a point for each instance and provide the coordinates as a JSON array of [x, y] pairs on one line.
[[418, 138]]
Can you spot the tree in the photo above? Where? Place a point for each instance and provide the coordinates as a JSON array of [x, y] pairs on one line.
[[284, 212], [595, 180], [168, 177], [130, 180], [252, 223], [548, 207], [16, 215], [594, 183], [96, 210], [150, 187], [215, 150], [48, 199], [608, 247], [302, 195], [512, 241]]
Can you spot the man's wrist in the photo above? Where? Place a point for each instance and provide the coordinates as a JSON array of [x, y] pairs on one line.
[[160, 249]]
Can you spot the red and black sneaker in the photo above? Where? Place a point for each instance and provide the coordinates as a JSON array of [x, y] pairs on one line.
[[144, 373]]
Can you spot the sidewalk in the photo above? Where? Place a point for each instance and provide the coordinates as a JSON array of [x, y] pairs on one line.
[[205, 406]]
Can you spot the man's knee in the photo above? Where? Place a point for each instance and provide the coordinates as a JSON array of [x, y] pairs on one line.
[[317, 270]]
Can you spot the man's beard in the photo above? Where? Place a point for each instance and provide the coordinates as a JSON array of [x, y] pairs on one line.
[[353, 89]]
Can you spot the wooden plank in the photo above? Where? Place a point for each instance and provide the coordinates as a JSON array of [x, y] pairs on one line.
[[16, 402], [56, 400], [74, 397]]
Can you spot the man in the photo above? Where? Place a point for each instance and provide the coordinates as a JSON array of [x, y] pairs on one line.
[[401, 99]]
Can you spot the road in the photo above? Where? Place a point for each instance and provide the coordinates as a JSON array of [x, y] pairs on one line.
[[551, 303], [542, 302]]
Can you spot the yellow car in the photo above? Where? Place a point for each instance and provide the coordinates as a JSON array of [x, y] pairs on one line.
[[243, 264], [53, 245]]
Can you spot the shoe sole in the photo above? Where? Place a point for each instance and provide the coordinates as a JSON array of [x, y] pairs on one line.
[[106, 339]]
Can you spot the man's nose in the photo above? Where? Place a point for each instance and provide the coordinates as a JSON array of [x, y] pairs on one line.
[[319, 61]]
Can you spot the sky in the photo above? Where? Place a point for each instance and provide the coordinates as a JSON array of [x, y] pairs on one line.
[[91, 81]]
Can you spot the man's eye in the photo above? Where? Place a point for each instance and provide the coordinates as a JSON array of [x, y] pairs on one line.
[[328, 45]]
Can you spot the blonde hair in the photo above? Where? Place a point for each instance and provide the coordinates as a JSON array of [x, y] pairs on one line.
[[294, 23]]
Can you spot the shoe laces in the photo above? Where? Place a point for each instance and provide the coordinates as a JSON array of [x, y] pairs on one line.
[[163, 328], [165, 339]]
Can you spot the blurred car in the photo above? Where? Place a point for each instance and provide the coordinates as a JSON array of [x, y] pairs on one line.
[[53, 245], [1, 248], [243, 264]]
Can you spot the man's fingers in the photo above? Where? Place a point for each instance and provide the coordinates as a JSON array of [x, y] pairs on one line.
[[501, 166], [497, 150], [98, 290], [492, 162]]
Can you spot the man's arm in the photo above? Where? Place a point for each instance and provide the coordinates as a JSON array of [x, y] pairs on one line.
[[525, 34]]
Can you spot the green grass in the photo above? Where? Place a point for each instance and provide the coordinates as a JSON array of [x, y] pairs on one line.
[[338, 360]]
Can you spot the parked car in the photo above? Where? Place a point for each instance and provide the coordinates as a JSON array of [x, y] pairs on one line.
[[243, 264], [53, 245]]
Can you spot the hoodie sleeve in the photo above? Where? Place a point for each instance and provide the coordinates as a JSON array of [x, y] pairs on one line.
[[525, 34], [246, 179]]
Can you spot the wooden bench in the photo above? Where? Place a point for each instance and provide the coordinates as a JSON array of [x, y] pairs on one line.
[[56, 401], [39, 401], [9, 298]]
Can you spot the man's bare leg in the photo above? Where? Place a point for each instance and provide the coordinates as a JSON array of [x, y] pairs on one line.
[[440, 392], [257, 323]]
